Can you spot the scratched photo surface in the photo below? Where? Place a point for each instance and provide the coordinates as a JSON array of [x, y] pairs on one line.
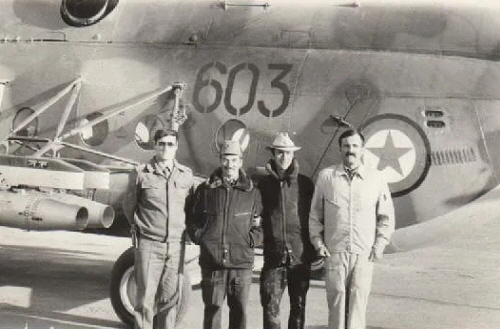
[[84, 86]]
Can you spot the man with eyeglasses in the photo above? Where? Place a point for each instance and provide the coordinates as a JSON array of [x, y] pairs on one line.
[[154, 206]]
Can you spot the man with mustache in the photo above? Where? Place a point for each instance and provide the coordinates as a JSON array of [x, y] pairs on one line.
[[350, 223], [224, 221]]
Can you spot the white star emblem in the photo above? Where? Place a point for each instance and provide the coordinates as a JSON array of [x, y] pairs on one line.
[[392, 152]]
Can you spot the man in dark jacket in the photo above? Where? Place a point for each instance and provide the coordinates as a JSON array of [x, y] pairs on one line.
[[286, 200], [225, 222]]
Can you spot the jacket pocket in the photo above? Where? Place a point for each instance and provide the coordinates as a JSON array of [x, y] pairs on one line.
[[334, 207], [183, 182], [152, 190], [241, 256], [210, 253], [337, 200], [242, 226], [209, 220]]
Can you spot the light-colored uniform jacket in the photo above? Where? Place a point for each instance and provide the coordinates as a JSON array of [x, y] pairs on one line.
[[351, 216], [155, 203]]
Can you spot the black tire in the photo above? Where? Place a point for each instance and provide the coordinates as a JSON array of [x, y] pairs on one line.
[[121, 289], [123, 266]]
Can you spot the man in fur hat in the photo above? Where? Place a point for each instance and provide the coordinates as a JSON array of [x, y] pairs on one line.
[[223, 221], [286, 200]]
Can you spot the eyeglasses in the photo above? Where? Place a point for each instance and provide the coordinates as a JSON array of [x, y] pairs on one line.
[[165, 144]]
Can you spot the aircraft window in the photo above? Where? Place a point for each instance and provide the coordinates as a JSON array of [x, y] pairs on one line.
[[31, 129], [97, 134], [232, 130], [84, 13], [145, 130], [435, 124], [434, 113]]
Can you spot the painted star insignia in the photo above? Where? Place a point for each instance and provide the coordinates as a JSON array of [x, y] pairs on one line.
[[389, 154]]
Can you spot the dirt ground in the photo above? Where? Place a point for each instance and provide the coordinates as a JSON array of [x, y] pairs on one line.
[[61, 280]]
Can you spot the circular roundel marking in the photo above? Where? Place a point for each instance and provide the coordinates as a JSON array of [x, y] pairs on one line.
[[94, 135], [399, 148], [30, 129], [233, 130], [145, 131]]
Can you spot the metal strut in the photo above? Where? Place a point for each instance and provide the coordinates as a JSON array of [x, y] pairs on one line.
[[224, 4], [178, 117]]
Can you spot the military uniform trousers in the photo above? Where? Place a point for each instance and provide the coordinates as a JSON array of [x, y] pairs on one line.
[[273, 281], [156, 275], [348, 281], [215, 286]]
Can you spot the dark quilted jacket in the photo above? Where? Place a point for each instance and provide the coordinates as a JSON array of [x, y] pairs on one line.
[[285, 218], [220, 222]]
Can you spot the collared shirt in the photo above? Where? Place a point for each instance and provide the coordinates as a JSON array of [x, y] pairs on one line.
[[156, 198], [166, 171], [351, 172], [351, 215]]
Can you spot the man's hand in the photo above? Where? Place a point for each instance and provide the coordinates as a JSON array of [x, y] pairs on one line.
[[376, 253], [322, 251], [135, 238], [256, 221]]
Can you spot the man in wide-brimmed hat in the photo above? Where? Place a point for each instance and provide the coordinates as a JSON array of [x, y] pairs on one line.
[[223, 222], [288, 252]]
